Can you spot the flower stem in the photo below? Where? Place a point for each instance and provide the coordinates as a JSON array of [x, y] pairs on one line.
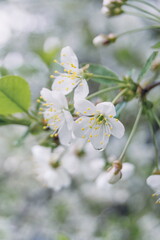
[[142, 10], [156, 118], [119, 95], [155, 144], [102, 91], [138, 30], [141, 15], [131, 134], [147, 3]]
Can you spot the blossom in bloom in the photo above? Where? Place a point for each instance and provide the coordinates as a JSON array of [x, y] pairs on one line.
[[72, 77], [115, 173], [48, 167], [154, 182], [57, 115], [97, 123]]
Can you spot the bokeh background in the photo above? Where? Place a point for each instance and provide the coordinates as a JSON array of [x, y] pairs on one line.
[[32, 33]]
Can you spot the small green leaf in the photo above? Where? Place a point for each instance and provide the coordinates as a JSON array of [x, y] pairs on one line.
[[157, 45], [102, 74], [147, 65], [15, 95]]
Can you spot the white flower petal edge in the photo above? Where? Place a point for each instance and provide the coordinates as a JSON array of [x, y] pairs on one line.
[[153, 182], [97, 123], [72, 77], [59, 119]]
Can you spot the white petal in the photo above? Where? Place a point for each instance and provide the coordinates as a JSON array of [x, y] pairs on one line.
[[69, 119], [81, 90], [65, 135], [81, 127], [55, 123], [106, 108], [41, 153], [102, 181], [85, 107], [47, 95], [64, 84], [99, 137], [68, 58], [60, 99], [154, 182], [117, 128], [127, 170]]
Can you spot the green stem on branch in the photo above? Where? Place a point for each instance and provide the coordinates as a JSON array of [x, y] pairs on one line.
[[131, 134], [119, 95]]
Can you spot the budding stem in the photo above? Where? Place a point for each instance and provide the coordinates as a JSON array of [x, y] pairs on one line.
[[142, 10], [131, 134], [147, 3], [119, 95], [138, 30], [141, 15]]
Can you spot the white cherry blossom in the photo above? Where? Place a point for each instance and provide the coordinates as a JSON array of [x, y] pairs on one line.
[[48, 167], [57, 115], [97, 123], [72, 77], [154, 182]]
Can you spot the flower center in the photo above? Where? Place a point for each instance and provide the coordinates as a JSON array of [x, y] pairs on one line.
[[54, 164]]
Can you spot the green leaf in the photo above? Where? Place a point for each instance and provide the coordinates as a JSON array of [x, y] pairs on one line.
[[102, 74], [147, 65], [157, 45], [15, 95]]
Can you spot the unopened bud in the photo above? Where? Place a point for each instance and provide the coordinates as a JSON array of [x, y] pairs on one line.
[[103, 39], [114, 172]]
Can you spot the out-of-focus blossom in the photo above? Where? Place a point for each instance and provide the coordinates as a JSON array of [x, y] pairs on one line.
[[83, 161], [97, 123], [72, 78], [154, 182], [57, 115], [48, 167]]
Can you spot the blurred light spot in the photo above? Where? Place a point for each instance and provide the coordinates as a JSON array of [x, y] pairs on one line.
[[51, 43], [13, 60]]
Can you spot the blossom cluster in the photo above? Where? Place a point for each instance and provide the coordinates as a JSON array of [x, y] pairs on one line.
[[83, 119], [72, 118]]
